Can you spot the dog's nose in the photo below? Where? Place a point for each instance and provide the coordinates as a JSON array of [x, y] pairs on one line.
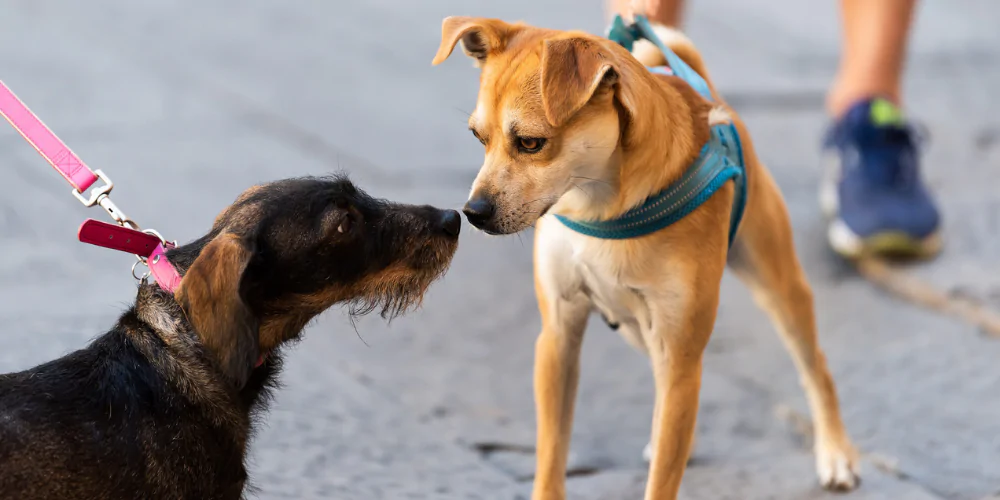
[[479, 210], [451, 222]]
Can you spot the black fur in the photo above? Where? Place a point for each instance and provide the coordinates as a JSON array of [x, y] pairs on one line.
[[148, 410]]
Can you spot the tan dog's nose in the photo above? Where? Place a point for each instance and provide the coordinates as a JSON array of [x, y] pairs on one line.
[[479, 210]]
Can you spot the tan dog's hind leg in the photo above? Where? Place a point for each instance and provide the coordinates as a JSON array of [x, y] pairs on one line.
[[764, 259], [557, 371]]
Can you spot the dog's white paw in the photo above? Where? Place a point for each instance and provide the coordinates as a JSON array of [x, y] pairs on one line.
[[837, 468]]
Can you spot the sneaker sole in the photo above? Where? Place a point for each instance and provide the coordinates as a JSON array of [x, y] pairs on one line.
[[892, 244], [848, 244]]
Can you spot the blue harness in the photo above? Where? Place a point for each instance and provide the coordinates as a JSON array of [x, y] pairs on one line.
[[720, 161]]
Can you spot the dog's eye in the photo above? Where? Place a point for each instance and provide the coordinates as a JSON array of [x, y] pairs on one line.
[[530, 144], [345, 225], [483, 141]]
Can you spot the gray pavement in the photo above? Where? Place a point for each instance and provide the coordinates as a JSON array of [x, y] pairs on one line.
[[187, 103]]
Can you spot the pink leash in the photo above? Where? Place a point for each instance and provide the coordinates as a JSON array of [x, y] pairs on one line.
[[147, 245]]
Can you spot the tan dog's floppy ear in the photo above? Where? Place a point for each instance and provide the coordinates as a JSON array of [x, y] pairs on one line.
[[479, 37], [573, 69], [210, 294]]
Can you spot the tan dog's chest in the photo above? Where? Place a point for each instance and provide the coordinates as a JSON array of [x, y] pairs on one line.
[[583, 271]]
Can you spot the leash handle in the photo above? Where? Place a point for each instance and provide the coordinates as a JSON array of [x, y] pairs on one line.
[[57, 153], [626, 35], [61, 157]]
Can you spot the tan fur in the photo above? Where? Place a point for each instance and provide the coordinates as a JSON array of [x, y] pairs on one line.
[[399, 281], [211, 297], [612, 142]]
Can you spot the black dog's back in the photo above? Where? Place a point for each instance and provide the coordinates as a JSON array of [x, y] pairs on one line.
[[104, 422]]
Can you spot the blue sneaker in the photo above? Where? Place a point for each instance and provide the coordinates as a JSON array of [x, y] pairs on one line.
[[872, 190]]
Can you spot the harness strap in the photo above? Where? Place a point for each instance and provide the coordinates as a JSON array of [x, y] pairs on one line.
[[720, 161], [626, 36]]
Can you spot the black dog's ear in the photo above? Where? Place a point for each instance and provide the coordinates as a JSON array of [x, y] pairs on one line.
[[210, 294]]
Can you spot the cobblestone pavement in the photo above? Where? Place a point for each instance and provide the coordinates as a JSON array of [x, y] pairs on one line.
[[186, 103]]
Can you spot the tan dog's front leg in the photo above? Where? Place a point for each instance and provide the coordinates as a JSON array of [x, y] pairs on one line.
[[557, 370], [678, 382], [682, 322]]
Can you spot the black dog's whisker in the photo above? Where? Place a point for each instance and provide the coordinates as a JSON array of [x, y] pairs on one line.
[[354, 325]]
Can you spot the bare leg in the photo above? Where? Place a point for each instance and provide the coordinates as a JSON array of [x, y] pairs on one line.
[[873, 52]]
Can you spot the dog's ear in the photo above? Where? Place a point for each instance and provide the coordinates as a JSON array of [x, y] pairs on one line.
[[479, 37], [211, 295], [573, 70]]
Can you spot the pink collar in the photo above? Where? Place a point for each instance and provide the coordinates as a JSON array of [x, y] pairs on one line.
[[147, 245]]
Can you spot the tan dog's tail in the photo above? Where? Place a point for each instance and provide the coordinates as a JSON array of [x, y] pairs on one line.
[[647, 53]]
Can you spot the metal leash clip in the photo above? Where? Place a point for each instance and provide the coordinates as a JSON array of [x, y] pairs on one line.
[[144, 260], [100, 195]]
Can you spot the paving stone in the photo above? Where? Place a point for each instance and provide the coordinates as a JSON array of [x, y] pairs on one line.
[[187, 103]]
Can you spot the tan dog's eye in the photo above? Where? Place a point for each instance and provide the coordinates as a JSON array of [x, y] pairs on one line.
[[530, 144], [479, 137]]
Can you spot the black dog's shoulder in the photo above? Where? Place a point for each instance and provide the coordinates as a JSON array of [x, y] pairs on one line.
[[130, 425]]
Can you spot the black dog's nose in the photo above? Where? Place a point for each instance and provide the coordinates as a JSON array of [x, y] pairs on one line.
[[451, 222], [479, 210]]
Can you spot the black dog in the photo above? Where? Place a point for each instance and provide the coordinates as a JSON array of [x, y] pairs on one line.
[[162, 406]]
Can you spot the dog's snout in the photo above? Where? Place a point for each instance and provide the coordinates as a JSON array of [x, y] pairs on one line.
[[451, 222], [479, 210]]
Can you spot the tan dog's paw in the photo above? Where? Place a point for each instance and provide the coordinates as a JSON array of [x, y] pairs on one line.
[[837, 467]]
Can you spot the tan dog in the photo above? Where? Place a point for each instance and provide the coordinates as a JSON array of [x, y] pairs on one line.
[[575, 125]]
